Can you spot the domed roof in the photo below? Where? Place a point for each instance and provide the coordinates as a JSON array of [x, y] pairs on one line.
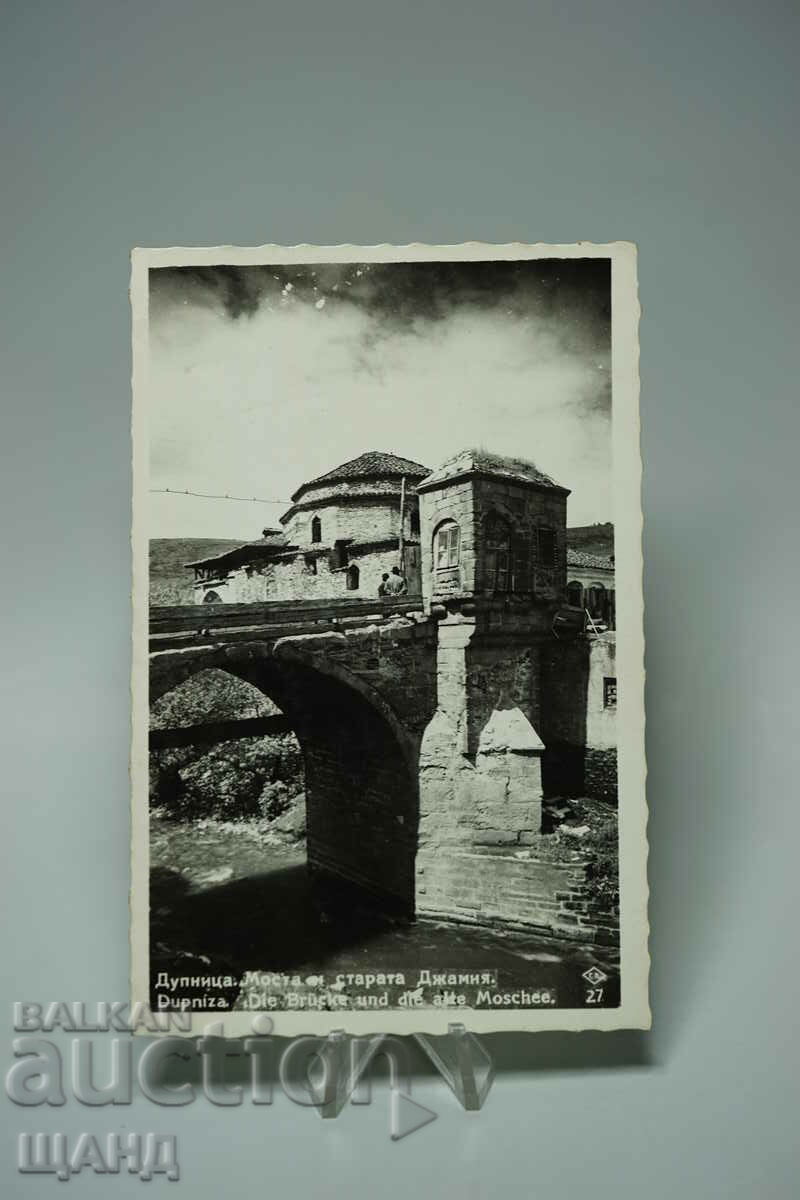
[[373, 464], [482, 462]]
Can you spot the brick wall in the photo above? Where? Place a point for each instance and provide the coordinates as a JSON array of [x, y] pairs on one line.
[[361, 771], [361, 808], [600, 774], [541, 892]]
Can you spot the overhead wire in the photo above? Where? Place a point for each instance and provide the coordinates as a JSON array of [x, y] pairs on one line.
[[215, 496]]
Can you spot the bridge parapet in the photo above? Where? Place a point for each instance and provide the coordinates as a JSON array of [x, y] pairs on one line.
[[174, 626]]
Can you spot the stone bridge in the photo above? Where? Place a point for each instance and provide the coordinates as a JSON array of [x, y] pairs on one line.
[[356, 683], [422, 734]]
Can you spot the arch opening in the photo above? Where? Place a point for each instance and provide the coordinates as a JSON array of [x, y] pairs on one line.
[[220, 751], [358, 803], [575, 593]]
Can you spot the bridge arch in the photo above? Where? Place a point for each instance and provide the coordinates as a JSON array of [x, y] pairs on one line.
[[360, 762]]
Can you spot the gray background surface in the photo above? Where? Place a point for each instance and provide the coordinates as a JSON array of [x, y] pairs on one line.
[[194, 122]]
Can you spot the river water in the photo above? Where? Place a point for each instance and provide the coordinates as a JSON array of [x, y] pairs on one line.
[[230, 899]]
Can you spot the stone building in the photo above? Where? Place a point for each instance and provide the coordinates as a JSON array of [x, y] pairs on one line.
[[590, 586], [482, 540], [343, 531], [493, 526], [431, 738]]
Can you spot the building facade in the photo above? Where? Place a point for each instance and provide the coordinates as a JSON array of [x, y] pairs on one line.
[[590, 586], [493, 526], [347, 528], [342, 533]]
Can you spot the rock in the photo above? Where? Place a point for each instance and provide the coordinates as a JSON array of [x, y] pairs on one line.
[[293, 821], [204, 878]]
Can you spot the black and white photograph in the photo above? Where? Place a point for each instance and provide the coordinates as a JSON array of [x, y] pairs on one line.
[[388, 743], [400, 687]]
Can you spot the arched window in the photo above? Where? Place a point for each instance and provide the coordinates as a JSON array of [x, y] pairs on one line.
[[352, 578], [316, 529], [212, 598], [596, 600], [575, 594], [446, 546]]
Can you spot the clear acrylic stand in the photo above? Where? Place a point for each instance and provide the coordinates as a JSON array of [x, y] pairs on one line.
[[463, 1061], [341, 1074]]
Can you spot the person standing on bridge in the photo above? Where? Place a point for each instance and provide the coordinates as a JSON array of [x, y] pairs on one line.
[[382, 585], [396, 584]]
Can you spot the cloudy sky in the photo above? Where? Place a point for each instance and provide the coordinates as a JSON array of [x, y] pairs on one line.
[[263, 377]]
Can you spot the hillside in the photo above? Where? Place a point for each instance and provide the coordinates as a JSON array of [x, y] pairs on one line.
[[592, 539], [170, 582]]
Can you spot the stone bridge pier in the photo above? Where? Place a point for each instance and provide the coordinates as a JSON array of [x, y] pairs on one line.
[[480, 765]]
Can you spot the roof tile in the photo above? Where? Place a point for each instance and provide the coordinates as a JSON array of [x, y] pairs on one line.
[[370, 465], [577, 558]]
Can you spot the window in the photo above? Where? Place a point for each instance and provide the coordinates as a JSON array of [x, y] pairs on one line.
[[498, 554], [311, 563], [575, 594], [316, 529], [547, 548], [596, 601], [413, 523], [521, 574], [609, 692], [212, 598], [446, 546], [352, 578]]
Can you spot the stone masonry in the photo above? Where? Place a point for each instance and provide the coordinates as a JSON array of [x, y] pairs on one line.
[[429, 740]]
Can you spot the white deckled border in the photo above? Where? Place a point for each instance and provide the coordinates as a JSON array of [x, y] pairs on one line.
[[634, 1010]]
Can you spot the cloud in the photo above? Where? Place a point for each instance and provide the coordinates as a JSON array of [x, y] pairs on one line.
[[256, 386]]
